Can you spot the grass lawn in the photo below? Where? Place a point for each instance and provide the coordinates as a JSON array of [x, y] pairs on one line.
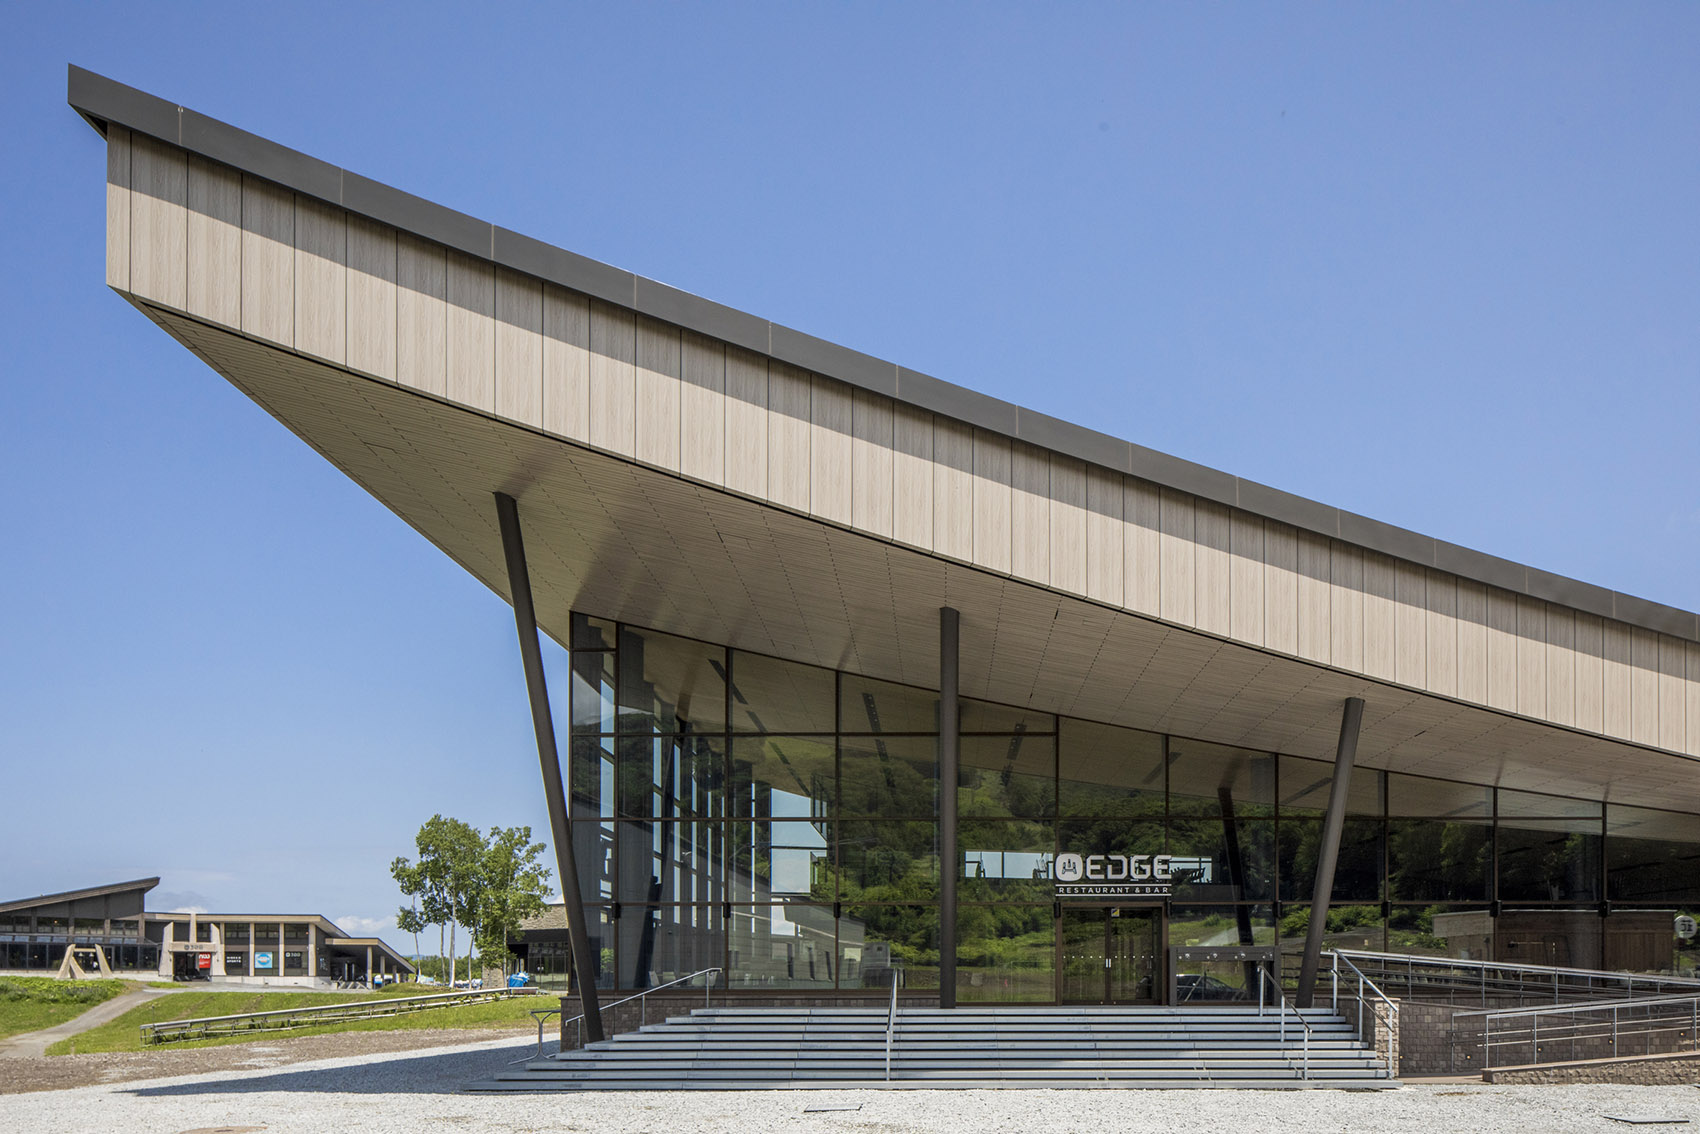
[[125, 1034], [28, 1004]]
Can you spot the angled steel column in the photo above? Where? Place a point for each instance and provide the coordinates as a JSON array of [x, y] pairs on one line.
[[543, 723], [1329, 853], [949, 762]]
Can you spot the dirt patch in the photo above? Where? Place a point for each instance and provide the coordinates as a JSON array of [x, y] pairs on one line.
[[59, 1072]]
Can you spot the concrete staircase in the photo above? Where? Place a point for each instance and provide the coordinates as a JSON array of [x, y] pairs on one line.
[[789, 1048]]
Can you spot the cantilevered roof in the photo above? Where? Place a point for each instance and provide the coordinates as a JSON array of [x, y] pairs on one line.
[[102, 100], [142, 884]]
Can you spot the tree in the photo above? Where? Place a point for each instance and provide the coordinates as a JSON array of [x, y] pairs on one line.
[[445, 879], [515, 886], [461, 878]]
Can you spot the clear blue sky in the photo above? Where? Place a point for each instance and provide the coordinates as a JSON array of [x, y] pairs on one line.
[[1438, 264]]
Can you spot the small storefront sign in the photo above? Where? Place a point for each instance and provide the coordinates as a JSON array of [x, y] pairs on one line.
[[1112, 875], [262, 960], [203, 960]]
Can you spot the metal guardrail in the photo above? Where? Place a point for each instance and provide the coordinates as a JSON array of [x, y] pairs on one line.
[[543, 1014], [1451, 977], [1365, 984], [1581, 1032], [285, 1019], [1264, 978]]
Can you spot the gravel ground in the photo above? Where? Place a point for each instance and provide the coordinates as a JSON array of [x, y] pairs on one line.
[[421, 1090]]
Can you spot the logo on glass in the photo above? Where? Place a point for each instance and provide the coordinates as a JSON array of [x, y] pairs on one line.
[[1070, 868]]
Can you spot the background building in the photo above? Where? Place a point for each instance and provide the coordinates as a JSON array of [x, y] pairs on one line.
[[105, 929]]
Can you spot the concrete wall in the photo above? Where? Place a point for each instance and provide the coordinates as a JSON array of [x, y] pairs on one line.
[[236, 251]]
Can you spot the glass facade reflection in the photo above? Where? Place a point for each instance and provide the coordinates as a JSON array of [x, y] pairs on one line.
[[780, 820]]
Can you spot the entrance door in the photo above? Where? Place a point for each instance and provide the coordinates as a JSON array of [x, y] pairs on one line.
[[1110, 955]]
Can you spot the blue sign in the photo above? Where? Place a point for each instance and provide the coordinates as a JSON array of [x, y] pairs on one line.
[[262, 960]]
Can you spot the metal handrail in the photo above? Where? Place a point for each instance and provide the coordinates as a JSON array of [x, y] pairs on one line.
[[890, 1025], [1264, 976], [1365, 982], [1511, 976], [1688, 1022], [542, 1014], [364, 1008]]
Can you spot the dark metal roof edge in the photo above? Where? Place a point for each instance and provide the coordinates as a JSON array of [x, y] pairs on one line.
[[100, 99], [143, 884]]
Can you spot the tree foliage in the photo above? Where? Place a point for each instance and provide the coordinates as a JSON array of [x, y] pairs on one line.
[[463, 878]]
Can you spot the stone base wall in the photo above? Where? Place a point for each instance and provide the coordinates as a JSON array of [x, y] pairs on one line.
[[631, 1016], [1655, 1071]]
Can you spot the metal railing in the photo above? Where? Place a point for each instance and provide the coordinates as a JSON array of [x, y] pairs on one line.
[[891, 1025], [1391, 1023], [1266, 980], [1449, 978], [1581, 1032], [286, 1019], [543, 1014]]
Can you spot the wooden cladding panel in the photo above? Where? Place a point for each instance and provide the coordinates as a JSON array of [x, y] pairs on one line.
[[519, 348], [702, 408], [1030, 513], [1246, 578], [1212, 578], [991, 501], [872, 459], [1104, 536], [118, 207], [1691, 702], [1472, 642], [1502, 649], [1346, 606], [1280, 587], [159, 221], [788, 436], [953, 489], [321, 280], [1316, 597], [1531, 657], [1177, 538], [1440, 646], [831, 425], [1069, 509], [913, 482], [422, 315], [613, 379], [1644, 686], [268, 261], [214, 284], [746, 421], [1673, 666], [566, 363], [1590, 672], [1561, 665], [1380, 621], [1142, 547], [657, 393], [1410, 625], [472, 332], [372, 294], [1617, 684]]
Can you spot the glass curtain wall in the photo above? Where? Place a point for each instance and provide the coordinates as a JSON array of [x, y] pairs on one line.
[[780, 821]]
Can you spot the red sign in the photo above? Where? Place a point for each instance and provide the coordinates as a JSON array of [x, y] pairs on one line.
[[203, 960]]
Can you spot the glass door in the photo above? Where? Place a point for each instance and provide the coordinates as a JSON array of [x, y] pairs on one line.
[[1110, 955]]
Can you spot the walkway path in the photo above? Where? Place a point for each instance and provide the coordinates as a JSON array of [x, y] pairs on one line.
[[27, 1045]]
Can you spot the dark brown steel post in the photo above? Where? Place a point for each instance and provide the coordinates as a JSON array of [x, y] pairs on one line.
[[543, 723]]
